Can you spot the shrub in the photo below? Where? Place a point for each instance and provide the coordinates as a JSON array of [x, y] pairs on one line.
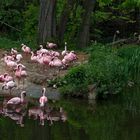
[[76, 84]]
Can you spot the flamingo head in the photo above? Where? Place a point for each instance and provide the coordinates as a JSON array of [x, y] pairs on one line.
[[41, 46], [5, 74], [22, 44]]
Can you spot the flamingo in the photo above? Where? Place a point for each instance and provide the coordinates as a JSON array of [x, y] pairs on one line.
[[42, 50], [65, 50], [56, 62], [7, 77], [43, 99], [13, 51], [10, 64], [18, 57], [34, 57], [69, 57], [20, 74], [4, 78], [51, 45], [9, 85], [25, 49], [17, 100]]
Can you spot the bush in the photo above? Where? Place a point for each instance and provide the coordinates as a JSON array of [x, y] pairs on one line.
[[106, 70], [76, 84]]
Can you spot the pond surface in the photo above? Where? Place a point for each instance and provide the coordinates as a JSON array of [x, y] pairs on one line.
[[114, 119]]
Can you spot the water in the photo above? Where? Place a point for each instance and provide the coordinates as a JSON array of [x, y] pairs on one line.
[[115, 119]]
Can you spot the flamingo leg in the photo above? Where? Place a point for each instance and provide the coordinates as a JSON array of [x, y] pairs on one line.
[[23, 83], [18, 82]]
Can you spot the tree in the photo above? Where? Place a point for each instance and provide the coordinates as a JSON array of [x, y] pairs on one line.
[[64, 18], [85, 26], [47, 24]]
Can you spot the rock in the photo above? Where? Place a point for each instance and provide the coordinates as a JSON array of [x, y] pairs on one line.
[[37, 79]]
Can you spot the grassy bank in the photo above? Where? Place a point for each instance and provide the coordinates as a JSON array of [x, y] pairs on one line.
[[108, 69]]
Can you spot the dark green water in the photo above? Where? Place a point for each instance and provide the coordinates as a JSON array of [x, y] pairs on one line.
[[115, 119]]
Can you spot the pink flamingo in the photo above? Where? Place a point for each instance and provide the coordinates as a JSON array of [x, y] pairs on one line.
[[3, 77], [42, 50], [55, 62], [51, 45], [46, 58], [10, 64], [25, 49], [69, 57], [9, 85], [34, 57], [43, 99], [6, 77], [20, 74]]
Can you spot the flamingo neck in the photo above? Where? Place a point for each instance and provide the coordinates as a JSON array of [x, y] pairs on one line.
[[65, 48], [22, 97], [44, 91]]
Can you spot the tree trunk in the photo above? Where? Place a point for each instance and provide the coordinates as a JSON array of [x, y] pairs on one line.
[[47, 24], [64, 18], [83, 37], [138, 20]]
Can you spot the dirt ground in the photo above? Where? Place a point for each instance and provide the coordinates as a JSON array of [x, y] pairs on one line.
[[38, 75]]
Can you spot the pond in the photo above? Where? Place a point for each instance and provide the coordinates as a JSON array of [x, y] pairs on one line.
[[113, 119]]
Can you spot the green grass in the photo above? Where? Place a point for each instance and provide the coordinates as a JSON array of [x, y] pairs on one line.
[[8, 44]]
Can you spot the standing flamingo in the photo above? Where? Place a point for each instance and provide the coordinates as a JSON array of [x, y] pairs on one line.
[[65, 50], [20, 74], [43, 99], [17, 100]]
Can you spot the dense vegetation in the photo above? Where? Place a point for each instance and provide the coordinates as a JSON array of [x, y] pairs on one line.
[[81, 23], [108, 69]]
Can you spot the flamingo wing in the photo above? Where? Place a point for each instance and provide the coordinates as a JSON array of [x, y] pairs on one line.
[[15, 100]]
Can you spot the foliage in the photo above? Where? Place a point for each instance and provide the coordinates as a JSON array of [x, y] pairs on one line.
[[75, 82], [31, 23], [73, 25], [110, 69], [106, 70], [8, 9], [8, 44]]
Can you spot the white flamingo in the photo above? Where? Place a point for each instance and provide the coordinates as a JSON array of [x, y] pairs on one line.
[[17, 100], [65, 50], [9, 86]]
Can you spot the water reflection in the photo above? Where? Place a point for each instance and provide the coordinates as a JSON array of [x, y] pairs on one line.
[[114, 119], [46, 114]]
